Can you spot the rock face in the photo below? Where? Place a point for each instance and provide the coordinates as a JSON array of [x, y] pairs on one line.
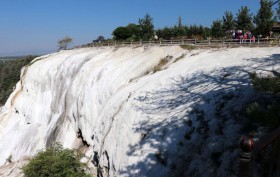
[[157, 111]]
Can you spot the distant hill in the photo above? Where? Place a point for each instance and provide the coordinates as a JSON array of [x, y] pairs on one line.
[[16, 57], [10, 68]]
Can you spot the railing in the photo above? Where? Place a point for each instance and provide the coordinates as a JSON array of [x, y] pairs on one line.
[[196, 42], [264, 157]]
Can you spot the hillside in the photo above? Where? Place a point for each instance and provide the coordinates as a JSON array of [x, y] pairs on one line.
[[157, 111], [10, 75]]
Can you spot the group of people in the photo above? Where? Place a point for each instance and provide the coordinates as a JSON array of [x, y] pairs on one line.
[[244, 36]]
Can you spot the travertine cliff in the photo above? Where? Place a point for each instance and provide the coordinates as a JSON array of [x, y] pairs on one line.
[[157, 111]]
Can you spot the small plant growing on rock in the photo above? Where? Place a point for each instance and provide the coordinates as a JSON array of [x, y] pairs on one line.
[[162, 63], [55, 161], [9, 159]]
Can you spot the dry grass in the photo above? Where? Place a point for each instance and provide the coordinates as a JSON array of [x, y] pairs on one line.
[[162, 63], [180, 57], [188, 47]]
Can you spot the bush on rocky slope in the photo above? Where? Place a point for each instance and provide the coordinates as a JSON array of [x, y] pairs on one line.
[[56, 162]]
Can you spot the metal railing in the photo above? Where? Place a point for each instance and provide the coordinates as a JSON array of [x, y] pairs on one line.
[[196, 42], [264, 157]]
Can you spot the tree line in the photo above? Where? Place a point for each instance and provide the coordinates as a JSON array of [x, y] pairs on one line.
[[259, 24]]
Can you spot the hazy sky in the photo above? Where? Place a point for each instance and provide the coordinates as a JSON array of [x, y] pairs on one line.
[[34, 26]]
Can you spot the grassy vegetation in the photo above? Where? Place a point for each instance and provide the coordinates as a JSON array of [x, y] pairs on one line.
[[10, 75], [266, 112], [162, 63], [188, 47], [266, 84], [179, 58]]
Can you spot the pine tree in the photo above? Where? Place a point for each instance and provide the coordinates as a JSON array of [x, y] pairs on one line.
[[228, 21], [244, 19], [146, 27], [264, 18], [216, 29], [278, 12], [180, 22]]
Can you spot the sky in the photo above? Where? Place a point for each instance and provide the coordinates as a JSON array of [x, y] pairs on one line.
[[35, 26]]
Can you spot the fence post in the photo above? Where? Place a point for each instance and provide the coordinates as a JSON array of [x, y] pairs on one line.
[[195, 41], [209, 42], [250, 41], [244, 168], [159, 42], [258, 40]]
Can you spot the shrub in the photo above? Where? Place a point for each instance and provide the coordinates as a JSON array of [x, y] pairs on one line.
[[266, 113], [55, 162], [266, 84]]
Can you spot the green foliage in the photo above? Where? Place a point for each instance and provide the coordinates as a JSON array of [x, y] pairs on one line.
[[217, 29], [278, 12], [264, 18], [9, 159], [244, 19], [10, 75], [100, 39], [135, 32], [146, 27], [268, 114], [266, 84], [63, 43], [55, 162], [122, 33], [180, 22], [228, 21]]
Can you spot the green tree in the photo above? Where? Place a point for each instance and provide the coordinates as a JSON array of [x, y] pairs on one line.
[[217, 29], [178, 31], [63, 43], [264, 18], [146, 27], [244, 19], [135, 31], [193, 30], [165, 33], [55, 162], [100, 38], [228, 21], [179, 22], [122, 33], [278, 12], [206, 32]]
